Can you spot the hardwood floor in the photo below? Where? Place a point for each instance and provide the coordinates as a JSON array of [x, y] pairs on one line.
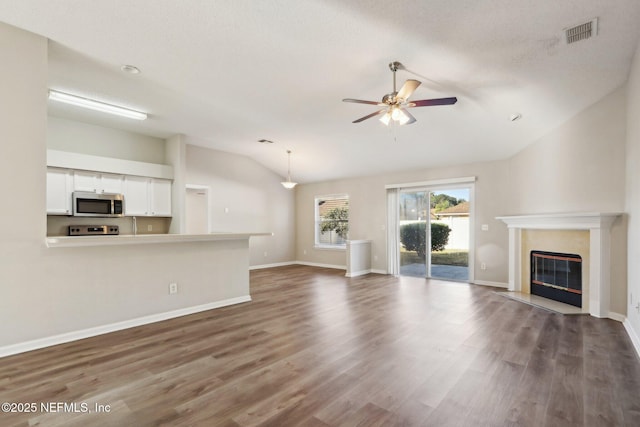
[[317, 349]]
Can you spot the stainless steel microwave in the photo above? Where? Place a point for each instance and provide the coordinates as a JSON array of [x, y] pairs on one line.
[[98, 204]]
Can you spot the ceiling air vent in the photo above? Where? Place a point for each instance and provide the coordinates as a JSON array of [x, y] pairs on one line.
[[582, 31]]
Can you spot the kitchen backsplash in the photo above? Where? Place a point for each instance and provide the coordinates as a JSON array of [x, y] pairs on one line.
[[58, 225]]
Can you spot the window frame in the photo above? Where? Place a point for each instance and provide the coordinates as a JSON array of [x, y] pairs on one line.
[[316, 223]]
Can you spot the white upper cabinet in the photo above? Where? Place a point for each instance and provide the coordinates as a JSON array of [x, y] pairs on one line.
[[59, 189], [110, 183], [85, 181], [143, 196], [147, 196], [160, 197], [95, 182], [136, 196]]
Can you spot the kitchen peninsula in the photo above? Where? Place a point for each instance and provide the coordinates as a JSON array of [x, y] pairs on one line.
[[119, 282], [130, 239]]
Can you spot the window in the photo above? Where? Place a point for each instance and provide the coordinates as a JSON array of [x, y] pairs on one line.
[[332, 221]]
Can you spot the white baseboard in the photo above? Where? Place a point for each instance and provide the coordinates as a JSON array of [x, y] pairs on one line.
[[113, 327], [488, 283], [635, 340], [277, 264], [617, 316], [315, 264], [357, 273]]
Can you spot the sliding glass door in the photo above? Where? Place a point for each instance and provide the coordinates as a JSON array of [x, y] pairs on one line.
[[450, 233], [413, 217], [434, 227]]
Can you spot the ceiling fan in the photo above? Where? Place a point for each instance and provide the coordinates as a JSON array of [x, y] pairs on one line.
[[396, 103]]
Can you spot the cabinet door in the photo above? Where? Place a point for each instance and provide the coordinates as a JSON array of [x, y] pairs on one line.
[[110, 183], [136, 196], [59, 188], [160, 197], [85, 181]]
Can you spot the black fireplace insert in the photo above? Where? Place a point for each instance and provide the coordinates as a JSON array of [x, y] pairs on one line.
[[557, 276]]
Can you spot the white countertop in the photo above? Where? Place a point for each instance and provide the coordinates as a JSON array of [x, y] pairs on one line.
[[78, 241]]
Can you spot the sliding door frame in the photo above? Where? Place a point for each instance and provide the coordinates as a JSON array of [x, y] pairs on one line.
[[430, 186]]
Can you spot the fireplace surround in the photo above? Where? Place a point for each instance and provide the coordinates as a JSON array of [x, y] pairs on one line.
[[597, 296]]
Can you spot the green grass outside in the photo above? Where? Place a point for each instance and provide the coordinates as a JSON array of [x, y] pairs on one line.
[[446, 257]]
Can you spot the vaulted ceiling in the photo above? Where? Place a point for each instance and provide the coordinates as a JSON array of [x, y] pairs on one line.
[[226, 73]]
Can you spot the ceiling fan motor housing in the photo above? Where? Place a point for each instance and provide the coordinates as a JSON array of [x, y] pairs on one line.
[[390, 98]]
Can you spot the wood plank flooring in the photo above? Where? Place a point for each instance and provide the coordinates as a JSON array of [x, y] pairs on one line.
[[314, 348]]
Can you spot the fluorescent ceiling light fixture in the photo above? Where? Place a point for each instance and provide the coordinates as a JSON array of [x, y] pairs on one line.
[[92, 104]]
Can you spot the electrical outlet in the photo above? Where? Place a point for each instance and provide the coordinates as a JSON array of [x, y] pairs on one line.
[[304, 252], [483, 266], [485, 227], [265, 254], [149, 227], [173, 288]]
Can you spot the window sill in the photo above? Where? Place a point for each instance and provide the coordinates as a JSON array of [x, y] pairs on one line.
[[330, 247]]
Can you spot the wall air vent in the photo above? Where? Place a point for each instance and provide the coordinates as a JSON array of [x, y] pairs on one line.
[[582, 31]]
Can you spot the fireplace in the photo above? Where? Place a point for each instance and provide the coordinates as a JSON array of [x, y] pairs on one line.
[[557, 276], [596, 280]]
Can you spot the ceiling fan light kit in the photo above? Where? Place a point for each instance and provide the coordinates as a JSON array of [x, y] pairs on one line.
[[396, 103]]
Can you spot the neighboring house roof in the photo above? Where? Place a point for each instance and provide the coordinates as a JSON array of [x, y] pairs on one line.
[[461, 209], [327, 205]]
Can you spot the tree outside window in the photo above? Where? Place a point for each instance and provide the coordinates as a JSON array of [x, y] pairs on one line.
[[332, 221]]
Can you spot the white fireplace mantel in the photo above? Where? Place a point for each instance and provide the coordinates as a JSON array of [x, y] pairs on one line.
[[598, 224]]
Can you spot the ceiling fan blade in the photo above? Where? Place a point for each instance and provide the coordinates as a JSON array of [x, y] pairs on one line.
[[384, 110], [407, 89], [430, 102], [360, 101]]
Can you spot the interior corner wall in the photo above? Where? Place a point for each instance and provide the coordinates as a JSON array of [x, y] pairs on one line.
[[580, 167], [633, 196], [23, 120], [246, 197], [175, 155]]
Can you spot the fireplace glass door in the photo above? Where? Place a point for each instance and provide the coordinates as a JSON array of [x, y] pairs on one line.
[[557, 276]]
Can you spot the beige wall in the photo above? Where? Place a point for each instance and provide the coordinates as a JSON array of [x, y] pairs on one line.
[[77, 137], [63, 287], [580, 167], [63, 291], [368, 215], [23, 120], [633, 195], [245, 196]]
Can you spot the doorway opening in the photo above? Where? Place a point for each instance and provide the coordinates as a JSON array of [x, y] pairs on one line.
[[197, 209], [434, 232]]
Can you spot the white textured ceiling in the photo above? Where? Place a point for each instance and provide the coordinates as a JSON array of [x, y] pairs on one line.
[[226, 73]]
